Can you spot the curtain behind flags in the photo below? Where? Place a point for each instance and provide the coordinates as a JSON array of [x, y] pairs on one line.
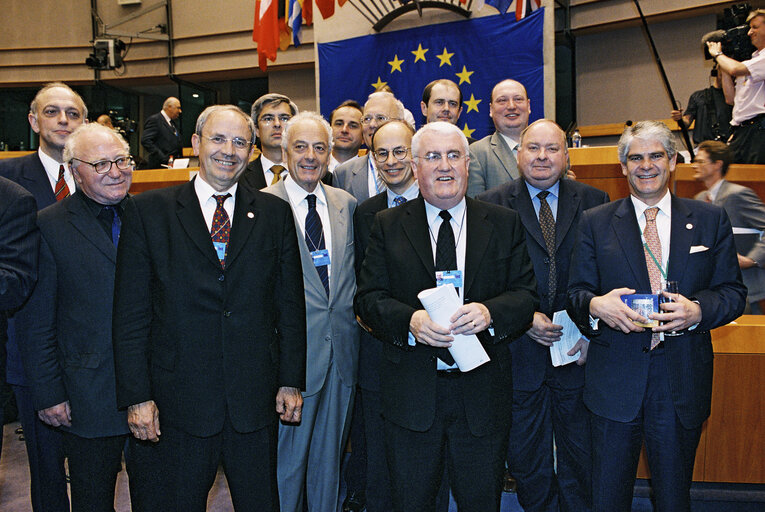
[[475, 54]]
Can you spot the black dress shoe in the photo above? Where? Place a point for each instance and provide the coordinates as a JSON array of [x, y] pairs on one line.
[[355, 501]]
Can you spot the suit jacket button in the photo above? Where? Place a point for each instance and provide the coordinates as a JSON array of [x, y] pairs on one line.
[[221, 277], [227, 314], [646, 350]]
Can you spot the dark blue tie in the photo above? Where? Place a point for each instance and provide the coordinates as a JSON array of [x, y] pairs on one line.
[[116, 224], [314, 238]]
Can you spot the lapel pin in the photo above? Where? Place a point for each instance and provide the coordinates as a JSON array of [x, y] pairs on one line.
[[252, 215], [689, 226]]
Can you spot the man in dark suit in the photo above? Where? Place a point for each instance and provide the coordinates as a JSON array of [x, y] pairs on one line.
[[434, 414], [161, 136], [68, 355], [745, 210], [547, 400], [270, 114], [19, 242], [209, 323], [55, 112], [638, 385]]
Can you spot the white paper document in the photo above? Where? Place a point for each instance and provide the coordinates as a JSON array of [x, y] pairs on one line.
[[569, 337], [441, 303]]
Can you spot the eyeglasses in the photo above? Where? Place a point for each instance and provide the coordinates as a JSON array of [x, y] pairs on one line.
[[434, 157], [380, 118], [381, 155], [238, 142], [268, 119], [104, 166]]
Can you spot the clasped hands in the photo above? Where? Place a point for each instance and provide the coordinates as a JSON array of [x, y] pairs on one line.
[[680, 314], [469, 318]]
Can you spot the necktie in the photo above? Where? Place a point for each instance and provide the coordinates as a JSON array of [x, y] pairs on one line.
[[314, 238], [116, 223], [399, 200], [277, 170], [651, 235], [547, 223], [61, 190], [446, 259], [221, 226]]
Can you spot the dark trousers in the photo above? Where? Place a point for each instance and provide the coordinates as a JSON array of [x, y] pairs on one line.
[[417, 459], [541, 417], [355, 471], [191, 464], [93, 468], [748, 142], [671, 450], [46, 457]]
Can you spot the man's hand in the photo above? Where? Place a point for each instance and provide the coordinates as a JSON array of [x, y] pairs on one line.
[[427, 332], [745, 261], [676, 115], [543, 331], [143, 420], [680, 314], [57, 415], [470, 318], [289, 404], [615, 313], [581, 346], [570, 174]]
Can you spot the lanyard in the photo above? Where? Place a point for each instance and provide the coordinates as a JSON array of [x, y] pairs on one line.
[[658, 265]]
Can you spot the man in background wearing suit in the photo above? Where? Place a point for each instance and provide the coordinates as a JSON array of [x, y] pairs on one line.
[[19, 242], [547, 400], [346, 135], [493, 158], [745, 210], [55, 112], [161, 136], [434, 414], [642, 383], [270, 113], [359, 176], [209, 323], [310, 453], [68, 356]]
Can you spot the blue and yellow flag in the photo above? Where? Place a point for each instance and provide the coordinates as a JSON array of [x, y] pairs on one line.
[[475, 54]]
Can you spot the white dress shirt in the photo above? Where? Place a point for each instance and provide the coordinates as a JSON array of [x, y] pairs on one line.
[[299, 203], [208, 203], [51, 169], [267, 165]]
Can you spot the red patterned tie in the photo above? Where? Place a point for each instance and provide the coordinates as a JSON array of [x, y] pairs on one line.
[[61, 190], [221, 226], [651, 235]]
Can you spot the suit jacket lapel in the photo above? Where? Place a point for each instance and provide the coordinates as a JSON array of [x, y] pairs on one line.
[[360, 185], [83, 221], [568, 205], [35, 179], [722, 193], [504, 154], [245, 215], [416, 230], [627, 232], [479, 232], [681, 237], [525, 209], [191, 219], [338, 225]]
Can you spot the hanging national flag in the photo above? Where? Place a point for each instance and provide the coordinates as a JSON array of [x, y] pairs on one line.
[[295, 19], [265, 31], [327, 7], [501, 5], [476, 54], [525, 7]]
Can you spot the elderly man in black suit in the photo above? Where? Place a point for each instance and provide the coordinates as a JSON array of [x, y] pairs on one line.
[[209, 323], [434, 413], [161, 136], [55, 112], [547, 400], [68, 355]]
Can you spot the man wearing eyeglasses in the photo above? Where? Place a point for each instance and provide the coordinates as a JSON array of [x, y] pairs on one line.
[[209, 324], [270, 113], [436, 415], [67, 353], [310, 453], [359, 177], [55, 112]]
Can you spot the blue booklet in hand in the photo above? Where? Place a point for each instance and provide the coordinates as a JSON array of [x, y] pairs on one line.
[[644, 304]]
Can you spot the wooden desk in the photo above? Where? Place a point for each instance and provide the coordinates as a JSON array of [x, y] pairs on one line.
[[13, 154], [148, 179]]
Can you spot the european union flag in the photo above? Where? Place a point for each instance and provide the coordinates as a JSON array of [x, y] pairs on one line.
[[475, 54]]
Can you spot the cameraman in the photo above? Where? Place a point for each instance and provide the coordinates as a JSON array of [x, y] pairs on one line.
[[710, 111], [748, 94]]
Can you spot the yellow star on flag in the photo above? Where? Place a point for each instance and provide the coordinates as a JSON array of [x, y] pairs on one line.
[[419, 53], [467, 131], [472, 103], [395, 64], [379, 83], [445, 58], [464, 75]]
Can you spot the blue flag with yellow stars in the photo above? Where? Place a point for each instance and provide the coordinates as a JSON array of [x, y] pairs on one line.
[[476, 54]]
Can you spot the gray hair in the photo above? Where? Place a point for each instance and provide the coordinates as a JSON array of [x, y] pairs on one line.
[[439, 128], [389, 95], [647, 131], [52, 85], [72, 146], [271, 99], [307, 116], [206, 113]]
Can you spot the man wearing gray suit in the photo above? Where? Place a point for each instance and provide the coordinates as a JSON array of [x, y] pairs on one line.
[[358, 177], [493, 158], [745, 209], [323, 219]]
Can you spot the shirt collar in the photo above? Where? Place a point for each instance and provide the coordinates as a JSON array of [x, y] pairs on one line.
[[511, 143], [205, 191], [94, 206], [49, 164], [715, 190], [664, 204], [553, 190], [457, 212], [412, 192], [297, 194], [167, 117], [267, 164]]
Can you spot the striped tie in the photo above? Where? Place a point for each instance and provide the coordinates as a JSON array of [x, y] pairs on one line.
[[62, 190], [314, 238]]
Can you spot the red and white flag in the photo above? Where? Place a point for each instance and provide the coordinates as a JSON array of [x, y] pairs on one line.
[[265, 31], [525, 7]]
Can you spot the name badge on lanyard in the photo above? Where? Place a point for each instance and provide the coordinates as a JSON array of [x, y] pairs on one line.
[[320, 258], [449, 276]]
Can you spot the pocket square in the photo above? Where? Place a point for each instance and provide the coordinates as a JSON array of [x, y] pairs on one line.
[[698, 248]]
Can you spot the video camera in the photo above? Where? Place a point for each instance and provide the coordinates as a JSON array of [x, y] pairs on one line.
[[732, 30]]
